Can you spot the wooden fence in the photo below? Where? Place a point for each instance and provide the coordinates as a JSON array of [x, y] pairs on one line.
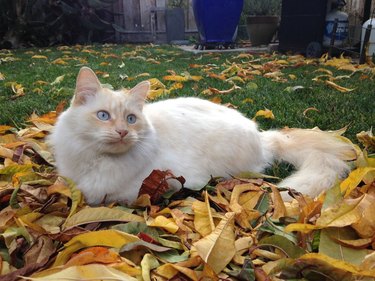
[[145, 21]]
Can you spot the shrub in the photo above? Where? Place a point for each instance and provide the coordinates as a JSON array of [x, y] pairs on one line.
[[262, 7], [50, 22]]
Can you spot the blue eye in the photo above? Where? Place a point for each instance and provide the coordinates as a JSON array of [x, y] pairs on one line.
[[131, 118], [103, 115]]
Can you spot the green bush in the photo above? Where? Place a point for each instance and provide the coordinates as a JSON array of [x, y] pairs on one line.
[[50, 22], [262, 7]]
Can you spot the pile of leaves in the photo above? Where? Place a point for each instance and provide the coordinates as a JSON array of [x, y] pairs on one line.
[[238, 229]]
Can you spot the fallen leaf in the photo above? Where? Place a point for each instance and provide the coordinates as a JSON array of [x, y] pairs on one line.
[[337, 87], [165, 223], [355, 177], [59, 61], [83, 272], [266, 113], [100, 214], [39, 57], [221, 240], [212, 90], [58, 80], [108, 238]]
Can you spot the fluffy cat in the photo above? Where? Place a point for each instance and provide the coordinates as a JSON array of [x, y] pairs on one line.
[[108, 142]]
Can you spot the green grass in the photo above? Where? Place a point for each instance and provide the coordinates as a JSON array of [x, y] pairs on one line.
[[336, 109]]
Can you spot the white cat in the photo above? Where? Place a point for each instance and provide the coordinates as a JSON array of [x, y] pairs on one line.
[[108, 142]]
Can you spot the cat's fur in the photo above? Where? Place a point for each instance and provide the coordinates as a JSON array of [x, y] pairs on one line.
[[189, 136]]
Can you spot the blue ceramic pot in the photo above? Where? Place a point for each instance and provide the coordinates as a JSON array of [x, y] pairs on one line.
[[217, 20]]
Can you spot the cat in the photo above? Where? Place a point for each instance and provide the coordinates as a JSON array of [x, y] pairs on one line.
[[109, 141]]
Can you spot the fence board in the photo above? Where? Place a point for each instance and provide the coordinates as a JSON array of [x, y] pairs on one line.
[[144, 20]]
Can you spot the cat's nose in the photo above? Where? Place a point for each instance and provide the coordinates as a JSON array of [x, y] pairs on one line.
[[122, 133]]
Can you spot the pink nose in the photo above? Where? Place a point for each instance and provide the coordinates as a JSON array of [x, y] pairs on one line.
[[122, 133]]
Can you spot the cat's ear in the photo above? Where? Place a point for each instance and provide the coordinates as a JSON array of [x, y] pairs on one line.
[[87, 85], [139, 93]]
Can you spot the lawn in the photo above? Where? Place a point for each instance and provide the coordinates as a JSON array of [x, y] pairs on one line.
[[293, 88], [236, 229]]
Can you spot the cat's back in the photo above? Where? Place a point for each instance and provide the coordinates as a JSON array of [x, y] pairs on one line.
[[186, 119], [190, 109]]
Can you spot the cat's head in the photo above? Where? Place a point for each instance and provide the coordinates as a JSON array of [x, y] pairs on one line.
[[109, 121]]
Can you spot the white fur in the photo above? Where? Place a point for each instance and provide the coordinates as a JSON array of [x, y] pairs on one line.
[[189, 136]]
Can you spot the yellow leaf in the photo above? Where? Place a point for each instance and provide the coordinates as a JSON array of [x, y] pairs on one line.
[[2, 77], [154, 94], [4, 128], [235, 79], [349, 67], [266, 113], [203, 221], [217, 100], [58, 80], [309, 109], [247, 100], [176, 78], [169, 270], [316, 258], [176, 86], [212, 90], [39, 57], [83, 272], [367, 139], [144, 74], [94, 255], [338, 62], [41, 82], [355, 177], [212, 247], [156, 84], [100, 214], [338, 87], [329, 72], [107, 238], [282, 62], [37, 90], [275, 74], [59, 62], [243, 214], [342, 214], [165, 223], [148, 263], [365, 226], [301, 227], [17, 89], [279, 207], [75, 195]]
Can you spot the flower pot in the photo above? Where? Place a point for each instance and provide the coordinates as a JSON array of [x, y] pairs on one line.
[[217, 20], [261, 29]]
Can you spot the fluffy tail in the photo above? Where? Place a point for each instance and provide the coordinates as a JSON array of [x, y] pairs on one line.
[[318, 156]]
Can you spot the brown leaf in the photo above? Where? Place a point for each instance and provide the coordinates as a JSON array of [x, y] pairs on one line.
[[41, 251], [156, 184]]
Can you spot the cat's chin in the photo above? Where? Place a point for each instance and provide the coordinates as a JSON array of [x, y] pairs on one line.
[[116, 147]]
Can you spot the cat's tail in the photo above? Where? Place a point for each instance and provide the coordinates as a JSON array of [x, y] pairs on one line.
[[320, 157]]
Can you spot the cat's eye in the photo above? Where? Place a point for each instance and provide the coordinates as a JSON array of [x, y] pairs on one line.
[[131, 118], [103, 115]]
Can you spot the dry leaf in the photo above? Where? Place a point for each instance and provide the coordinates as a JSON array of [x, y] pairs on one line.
[[337, 87], [221, 240], [266, 113]]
